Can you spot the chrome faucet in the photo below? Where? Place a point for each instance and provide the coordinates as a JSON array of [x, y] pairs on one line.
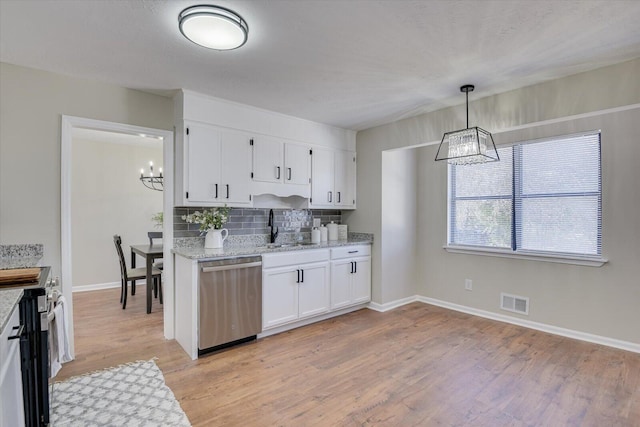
[[272, 236]]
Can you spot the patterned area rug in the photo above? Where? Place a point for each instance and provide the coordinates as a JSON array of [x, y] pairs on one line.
[[129, 395]]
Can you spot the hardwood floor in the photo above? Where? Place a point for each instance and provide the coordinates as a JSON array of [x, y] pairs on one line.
[[417, 365]]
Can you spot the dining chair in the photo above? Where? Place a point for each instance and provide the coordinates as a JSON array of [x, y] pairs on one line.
[[130, 274], [155, 235]]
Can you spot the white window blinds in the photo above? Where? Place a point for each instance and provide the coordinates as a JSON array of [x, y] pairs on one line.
[[542, 197]]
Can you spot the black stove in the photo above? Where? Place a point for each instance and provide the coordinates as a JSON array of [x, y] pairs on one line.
[[34, 348]]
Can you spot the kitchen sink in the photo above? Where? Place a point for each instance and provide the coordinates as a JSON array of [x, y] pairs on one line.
[[288, 245]]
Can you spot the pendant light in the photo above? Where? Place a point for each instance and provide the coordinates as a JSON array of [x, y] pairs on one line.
[[213, 27], [467, 146]]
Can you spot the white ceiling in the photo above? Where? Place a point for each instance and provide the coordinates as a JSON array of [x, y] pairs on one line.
[[348, 63]]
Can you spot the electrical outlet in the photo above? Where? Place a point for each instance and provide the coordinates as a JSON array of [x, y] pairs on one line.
[[468, 284]]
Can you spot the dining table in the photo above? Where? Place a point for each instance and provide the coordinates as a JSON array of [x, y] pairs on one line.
[[150, 253]]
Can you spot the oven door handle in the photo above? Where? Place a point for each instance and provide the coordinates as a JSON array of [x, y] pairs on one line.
[[18, 334]]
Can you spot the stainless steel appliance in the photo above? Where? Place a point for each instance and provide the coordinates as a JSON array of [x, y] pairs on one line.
[[230, 302]]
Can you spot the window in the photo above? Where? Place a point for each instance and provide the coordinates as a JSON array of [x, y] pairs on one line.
[[541, 197]]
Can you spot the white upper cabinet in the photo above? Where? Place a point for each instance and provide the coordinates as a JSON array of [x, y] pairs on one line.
[[215, 163], [280, 168], [322, 177], [267, 159], [297, 164], [234, 166], [202, 164], [345, 179], [215, 166], [333, 179], [280, 162]]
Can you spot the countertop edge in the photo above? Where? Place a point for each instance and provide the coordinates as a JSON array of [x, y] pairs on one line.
[[201, 254]]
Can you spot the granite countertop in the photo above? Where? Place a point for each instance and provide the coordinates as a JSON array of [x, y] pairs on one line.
[[9, 298], [20, 255], [201, 254]]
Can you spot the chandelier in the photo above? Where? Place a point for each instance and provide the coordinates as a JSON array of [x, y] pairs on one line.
[[467, 146], [150, 181]]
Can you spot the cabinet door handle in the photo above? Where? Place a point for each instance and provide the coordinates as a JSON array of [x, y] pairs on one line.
[[227, 191], [289, 179], [330, 196], [351, 267], [355, 267], [216, 192], [302, 271], [277, 172], [298, 279], [338, 197]]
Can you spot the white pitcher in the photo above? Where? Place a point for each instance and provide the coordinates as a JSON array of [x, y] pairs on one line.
[[215, 239]]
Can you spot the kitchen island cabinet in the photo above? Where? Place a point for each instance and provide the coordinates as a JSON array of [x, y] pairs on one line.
[[350, 276], [297, 288], [297, 284]]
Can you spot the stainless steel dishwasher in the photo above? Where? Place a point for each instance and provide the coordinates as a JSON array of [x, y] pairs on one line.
[[230, 295]]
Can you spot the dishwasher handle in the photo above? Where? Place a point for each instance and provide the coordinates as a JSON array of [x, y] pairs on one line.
[[231, 267]]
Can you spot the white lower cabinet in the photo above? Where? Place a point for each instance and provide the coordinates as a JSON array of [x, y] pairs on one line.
[[350, 276], [11, 404], [304, 284], [293, 293]]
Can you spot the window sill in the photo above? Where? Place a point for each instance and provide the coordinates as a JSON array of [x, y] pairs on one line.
[[532, 256]]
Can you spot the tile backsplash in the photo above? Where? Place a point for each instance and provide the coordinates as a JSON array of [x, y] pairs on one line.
[[245, 221]]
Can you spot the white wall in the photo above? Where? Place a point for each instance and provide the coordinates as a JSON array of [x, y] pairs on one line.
[[107, 198], [31, 105], [399, 223], [601, 301]]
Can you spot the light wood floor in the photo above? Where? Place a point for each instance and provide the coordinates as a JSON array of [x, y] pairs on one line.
[[417, 365]]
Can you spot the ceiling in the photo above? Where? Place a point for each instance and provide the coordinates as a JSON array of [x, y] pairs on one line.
[[348, 63]]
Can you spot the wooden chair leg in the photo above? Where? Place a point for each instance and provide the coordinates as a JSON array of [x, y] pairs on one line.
[[155, 287], [160, 288], [121, 289], [124, 300]]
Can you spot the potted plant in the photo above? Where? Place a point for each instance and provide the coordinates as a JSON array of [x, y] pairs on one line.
[[211, 223], [158, 219]]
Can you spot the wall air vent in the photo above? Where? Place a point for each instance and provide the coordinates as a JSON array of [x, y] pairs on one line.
[[514, 303]]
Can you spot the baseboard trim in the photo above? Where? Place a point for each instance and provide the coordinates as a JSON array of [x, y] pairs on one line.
[[393, 304], [309, 320], [100, 286], [569, 333]]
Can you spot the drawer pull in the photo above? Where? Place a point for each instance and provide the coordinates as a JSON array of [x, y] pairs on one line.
[[353, 252]]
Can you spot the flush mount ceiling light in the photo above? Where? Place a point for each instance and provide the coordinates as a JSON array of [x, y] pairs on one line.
[[467, 146], [213, 27]]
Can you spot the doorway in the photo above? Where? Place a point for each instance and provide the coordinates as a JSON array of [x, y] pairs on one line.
[[81, 126]]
